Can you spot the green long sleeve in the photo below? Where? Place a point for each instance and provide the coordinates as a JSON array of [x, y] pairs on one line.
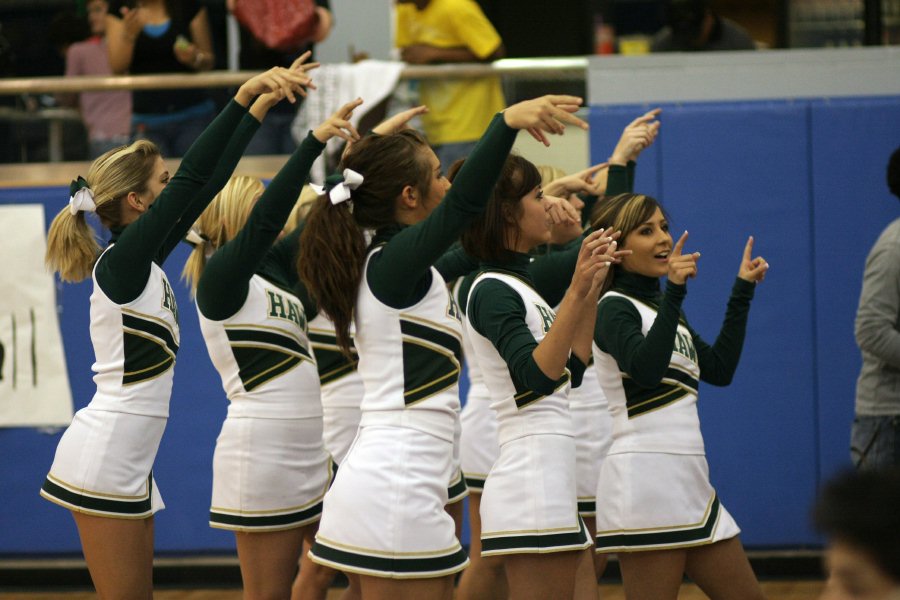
[[224, 285], [122, 272]]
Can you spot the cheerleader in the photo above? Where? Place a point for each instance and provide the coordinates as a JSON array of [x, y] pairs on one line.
[[102, 470], [529, 356], [658, 510], [383, 516], [270, 468]]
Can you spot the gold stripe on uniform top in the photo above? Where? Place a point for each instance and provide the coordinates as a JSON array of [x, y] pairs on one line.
[[156, 366], [432, 346], [654, 399], [150, 337], [85, 492], [156, 320], [343, 367], [429, 323], [272, 368], [668, 528], [251, 326], [386, 553], [270, 348]]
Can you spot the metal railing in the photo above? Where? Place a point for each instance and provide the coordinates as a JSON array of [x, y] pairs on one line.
[[540, 68], [568, 69]]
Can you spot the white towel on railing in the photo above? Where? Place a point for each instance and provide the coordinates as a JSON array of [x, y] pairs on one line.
[[371, 80]]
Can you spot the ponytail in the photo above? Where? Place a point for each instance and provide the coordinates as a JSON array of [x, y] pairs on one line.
[[330, 263], [332, 245], [220, 222], [72, 246]]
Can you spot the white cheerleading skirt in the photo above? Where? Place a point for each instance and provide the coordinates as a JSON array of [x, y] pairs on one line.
[[268, 474], [529, 503], [384, 514], [103, 465], [656, 501]]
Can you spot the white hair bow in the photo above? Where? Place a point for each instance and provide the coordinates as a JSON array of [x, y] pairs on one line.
[[81, 197], [339, 187]]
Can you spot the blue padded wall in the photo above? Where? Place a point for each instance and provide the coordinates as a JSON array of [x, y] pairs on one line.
[[850, 145], [806, 178]]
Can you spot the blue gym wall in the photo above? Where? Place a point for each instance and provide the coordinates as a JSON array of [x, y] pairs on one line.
[[805, 178]]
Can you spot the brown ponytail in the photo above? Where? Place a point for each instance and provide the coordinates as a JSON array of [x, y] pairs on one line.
[[332, 246]]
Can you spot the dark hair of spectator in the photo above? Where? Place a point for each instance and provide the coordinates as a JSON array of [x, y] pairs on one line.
[[893, 173], [860, 508]]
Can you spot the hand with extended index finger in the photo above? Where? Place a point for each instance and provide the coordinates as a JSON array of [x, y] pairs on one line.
[[636, 137], [339, 125], [547, 114], [300, 63], [752, 269], [399, 121], [682, 266]]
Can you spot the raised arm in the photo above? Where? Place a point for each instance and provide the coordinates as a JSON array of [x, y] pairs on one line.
[[719, 362], [394, 274], [123, 271], [223, 287]]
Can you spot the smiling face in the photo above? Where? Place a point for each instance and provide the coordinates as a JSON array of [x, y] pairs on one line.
[[650, 244]]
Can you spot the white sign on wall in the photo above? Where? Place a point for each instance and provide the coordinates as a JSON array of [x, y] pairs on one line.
[[34, 384]]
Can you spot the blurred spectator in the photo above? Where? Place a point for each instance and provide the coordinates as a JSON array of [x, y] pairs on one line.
[[107, 115], [274, 135], [693, 26], [163, 36], [443, 31], [858, 513], [875, 435]]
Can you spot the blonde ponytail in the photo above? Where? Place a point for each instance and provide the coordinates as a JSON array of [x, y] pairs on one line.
[[225, 216], [72, 246]]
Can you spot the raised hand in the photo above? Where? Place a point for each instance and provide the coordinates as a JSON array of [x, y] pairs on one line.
[[752, 269], [339, 125], [636, 137], [682, 266], [300, 63], [586, 181], [285, 83], [399, 121], [560, 211], [547, 114]]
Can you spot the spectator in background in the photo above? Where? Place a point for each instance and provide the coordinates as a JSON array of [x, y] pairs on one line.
[[274, 136], [443, 31], [858, 512], [163, 36], [106, 115], [875, 435], [693, 26]]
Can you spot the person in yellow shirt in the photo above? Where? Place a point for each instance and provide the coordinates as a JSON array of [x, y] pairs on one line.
[[443, 31]]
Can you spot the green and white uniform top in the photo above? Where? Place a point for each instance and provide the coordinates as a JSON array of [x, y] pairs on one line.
[[650, 362], [254, 326], [408, 329], [508, 319], [342, 385], [134, 317]]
